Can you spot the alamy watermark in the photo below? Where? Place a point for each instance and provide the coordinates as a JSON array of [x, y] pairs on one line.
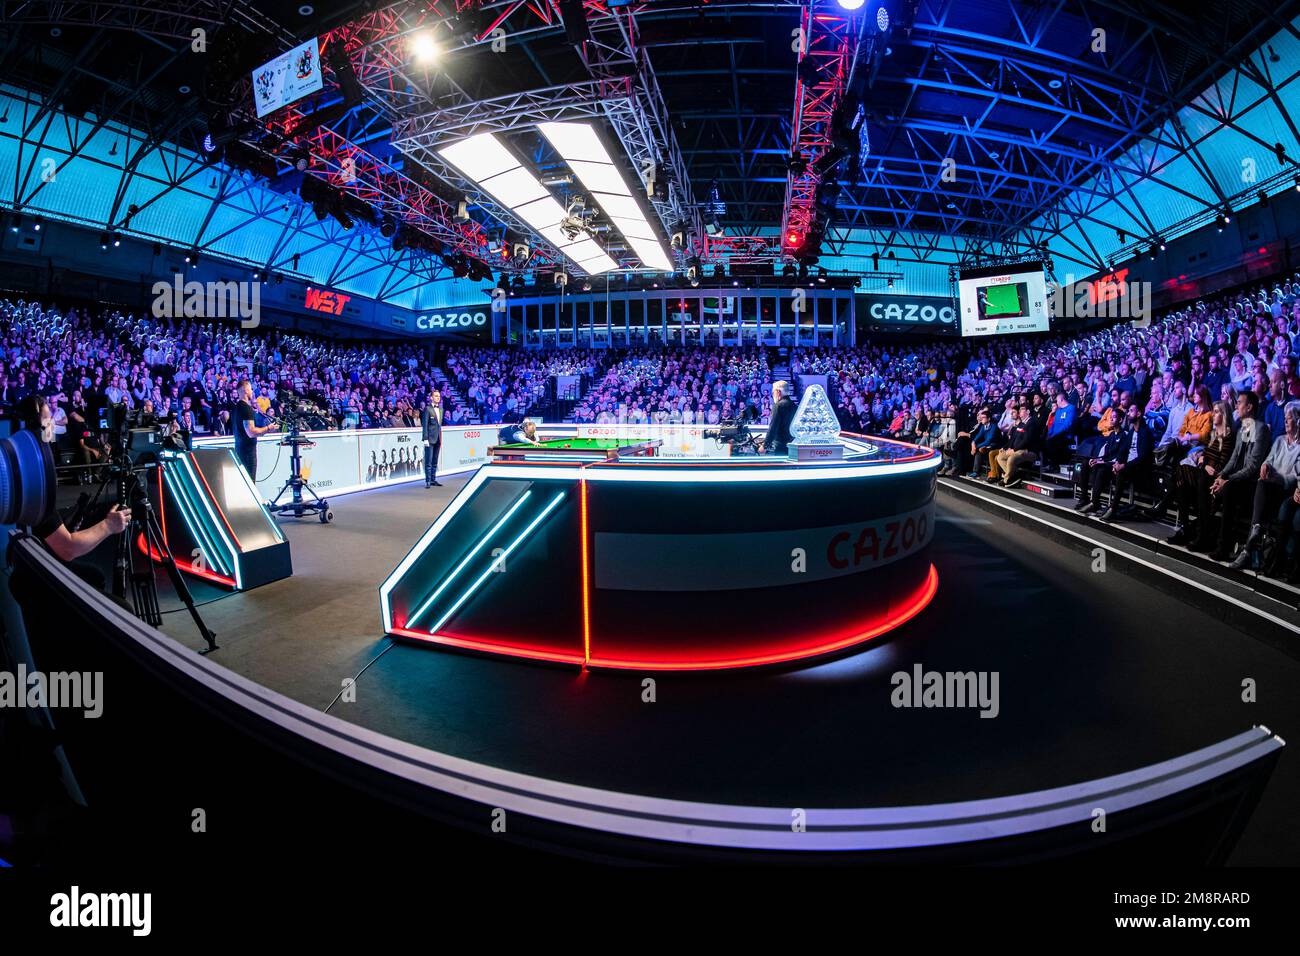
[[922, 688], [1111, 296], [208, 300], [57, 690]]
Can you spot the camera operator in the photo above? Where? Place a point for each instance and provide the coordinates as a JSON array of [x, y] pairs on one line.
[[33, 413], [246, 429]]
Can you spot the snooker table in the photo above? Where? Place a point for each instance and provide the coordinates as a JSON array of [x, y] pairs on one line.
[[576, 449]]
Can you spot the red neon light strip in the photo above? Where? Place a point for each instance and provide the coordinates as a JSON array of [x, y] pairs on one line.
[[192, 568], [216, 506], [915, 605], [476, 645], [586, 585]]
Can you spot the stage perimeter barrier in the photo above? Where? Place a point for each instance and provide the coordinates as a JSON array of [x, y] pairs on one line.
[[1188, 809]]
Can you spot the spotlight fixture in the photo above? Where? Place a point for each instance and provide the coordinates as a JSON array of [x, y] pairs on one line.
[[853, 5], [388, 227], [586, 285], [103, 240], [788, 271], [561, 279], [423, 47], [1263, 199], [16, 223], [37, 224], [719, 271]]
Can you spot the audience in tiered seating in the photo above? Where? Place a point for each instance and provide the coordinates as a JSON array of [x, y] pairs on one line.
[[683, 385], [83, 362], [503, 384], [1194, 409]]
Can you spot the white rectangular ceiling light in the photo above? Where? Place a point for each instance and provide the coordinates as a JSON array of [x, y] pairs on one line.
[[582, 149], [485, 160]]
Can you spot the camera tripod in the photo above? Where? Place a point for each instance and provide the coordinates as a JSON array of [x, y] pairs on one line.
[[295, 484], [133, 493]]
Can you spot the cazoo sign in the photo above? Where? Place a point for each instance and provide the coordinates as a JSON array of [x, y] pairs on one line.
[[931, 313], [450, 321]]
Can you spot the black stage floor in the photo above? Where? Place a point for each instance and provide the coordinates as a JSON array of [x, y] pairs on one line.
[[1098, 674]]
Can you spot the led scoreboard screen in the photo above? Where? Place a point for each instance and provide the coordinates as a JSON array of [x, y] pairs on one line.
[[289, 77], [1003, 300]]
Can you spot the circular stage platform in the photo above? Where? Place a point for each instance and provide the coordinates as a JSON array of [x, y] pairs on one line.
[[1086, 687]]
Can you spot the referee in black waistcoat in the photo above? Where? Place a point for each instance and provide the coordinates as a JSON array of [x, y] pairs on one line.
[[431, 426]]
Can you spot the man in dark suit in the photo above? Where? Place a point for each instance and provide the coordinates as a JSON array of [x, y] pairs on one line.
[[778, 437], [1235, 483], [431, 428], [1130, 461]]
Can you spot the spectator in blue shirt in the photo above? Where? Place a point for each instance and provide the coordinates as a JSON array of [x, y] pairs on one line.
[[1060, 426]]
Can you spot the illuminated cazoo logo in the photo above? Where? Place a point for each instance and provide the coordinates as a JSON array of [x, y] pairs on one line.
[[438, 321]]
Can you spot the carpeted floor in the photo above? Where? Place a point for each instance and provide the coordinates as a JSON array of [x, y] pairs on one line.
[[1098, 674]]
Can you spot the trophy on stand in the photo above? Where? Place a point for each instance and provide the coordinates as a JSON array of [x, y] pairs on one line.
[[815, 429]]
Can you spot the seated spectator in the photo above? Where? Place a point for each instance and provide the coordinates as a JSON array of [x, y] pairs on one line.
[[1193, 477], [1277, 482], [1129, 460], [983, 442], [1060, 431], [1235, 485], [1007, 464]]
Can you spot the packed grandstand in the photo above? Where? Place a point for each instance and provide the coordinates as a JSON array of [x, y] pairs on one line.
[[1194, 384]]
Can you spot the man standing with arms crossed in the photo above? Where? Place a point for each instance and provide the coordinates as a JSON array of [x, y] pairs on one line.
[[431, 427]]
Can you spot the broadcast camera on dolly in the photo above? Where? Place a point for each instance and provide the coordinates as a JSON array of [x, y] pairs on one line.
[[131, 446], [296, 415]]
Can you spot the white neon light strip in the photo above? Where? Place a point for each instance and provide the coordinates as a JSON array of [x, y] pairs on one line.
[[667, 474], [586, 155], [466, 495], [492, 567], [217, 522], [485, 160], [469, 557], [209, 547]]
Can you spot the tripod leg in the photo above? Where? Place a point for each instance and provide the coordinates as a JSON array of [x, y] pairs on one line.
[[154, 536], [144, 590]]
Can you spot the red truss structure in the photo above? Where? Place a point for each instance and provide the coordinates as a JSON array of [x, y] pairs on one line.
[[830, 41]]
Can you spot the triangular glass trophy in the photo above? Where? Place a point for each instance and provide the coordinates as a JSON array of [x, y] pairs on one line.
[[815, 430]]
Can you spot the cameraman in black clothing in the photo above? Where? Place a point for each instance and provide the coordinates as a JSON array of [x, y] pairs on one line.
[[33, 413]]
